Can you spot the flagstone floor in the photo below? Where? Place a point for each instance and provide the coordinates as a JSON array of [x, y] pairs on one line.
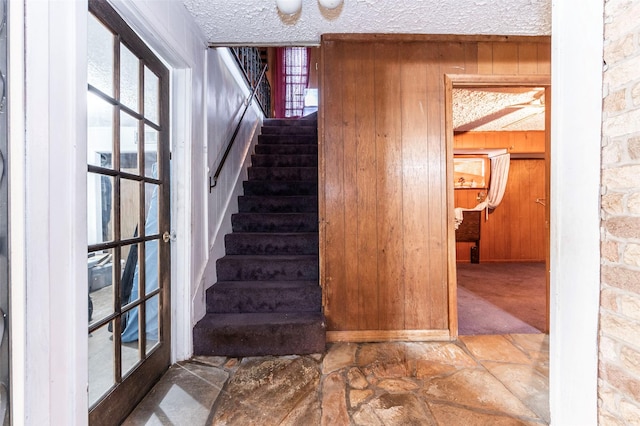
[[479, 380]]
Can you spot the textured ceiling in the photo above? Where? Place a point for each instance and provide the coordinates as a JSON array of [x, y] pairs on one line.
[[498, 109], [257, 22]]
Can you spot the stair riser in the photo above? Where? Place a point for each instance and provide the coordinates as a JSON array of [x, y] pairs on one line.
[[283, 173], [265, 339], [276, 244], [289, 130], [255, 300], [259, 204], [280, 188], [271, 122], [274, 222], [286, 149], [258, 160], [288, 139], [230, 269]]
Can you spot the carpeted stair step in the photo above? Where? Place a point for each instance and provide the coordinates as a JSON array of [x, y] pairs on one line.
[[283, 173], [267, 268], [275, 160], [271, 139], [287, 149], [280, 188], [271, 243], [289, 130], [264, 297], [274, 222], [251, 334], [290, 122], [278, 204]]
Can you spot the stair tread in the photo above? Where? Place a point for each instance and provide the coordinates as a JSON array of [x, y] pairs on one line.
[[266, 284], [270, 257], [254, 319]]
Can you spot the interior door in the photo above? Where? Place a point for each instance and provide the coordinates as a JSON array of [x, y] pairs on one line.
[[128, 266]]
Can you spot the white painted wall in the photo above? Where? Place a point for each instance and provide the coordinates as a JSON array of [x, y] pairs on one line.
[[47, 174], [576, 117], [227, 93]]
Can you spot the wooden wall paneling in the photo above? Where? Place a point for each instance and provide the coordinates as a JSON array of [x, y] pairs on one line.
[[505, 58], [350, 102], [485, 58], [470, 58], [456, 57], [544, 59], [528, 58], [367, 247], [333, 250], [416, 195], [389, 182]]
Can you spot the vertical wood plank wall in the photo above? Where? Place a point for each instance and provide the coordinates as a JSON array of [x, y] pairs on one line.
[[383, 166], [516, 230]]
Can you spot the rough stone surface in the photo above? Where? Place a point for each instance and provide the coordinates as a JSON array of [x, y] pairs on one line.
[[401, 409], [475, 388], [269, 388], [494, 348], [453, 415], [357, 396], [631, 254], [334, 409], [623, 227], [520, 380], [356, 379], [290, 390], [384, 360], [339, 355]]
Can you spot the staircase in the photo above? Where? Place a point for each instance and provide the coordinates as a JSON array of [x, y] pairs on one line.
[[267, 300]]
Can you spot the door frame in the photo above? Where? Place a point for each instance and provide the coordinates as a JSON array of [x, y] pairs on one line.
[[452, 81]]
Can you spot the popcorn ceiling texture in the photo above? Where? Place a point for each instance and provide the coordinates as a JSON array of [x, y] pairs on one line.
[[257, 22]]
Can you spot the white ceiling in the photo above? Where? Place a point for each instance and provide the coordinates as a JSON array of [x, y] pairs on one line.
[[498, 109], [257, 22]]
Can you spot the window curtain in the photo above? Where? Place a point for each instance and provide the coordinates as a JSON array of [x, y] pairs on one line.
[[291, 80]]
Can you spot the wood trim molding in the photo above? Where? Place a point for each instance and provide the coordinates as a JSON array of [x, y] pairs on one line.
[[389, 336], [371, 37], [481, 80]]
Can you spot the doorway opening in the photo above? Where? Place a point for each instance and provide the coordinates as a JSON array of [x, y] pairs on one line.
[[498, 137]]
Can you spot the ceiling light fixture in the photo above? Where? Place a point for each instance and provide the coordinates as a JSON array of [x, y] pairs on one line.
[[289, 7], [330, 4]]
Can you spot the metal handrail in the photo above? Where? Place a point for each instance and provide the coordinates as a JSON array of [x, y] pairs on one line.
[[213, 180]]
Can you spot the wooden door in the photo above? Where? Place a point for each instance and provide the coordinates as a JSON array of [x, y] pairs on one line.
[[128, 217]]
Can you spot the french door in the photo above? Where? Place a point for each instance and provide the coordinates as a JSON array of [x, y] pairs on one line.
[[128, 208]]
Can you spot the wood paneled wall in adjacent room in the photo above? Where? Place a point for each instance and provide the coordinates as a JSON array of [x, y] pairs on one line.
[[383, 176], [515, 231]]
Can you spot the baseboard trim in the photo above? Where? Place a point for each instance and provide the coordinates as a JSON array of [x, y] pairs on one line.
[[388, 335]]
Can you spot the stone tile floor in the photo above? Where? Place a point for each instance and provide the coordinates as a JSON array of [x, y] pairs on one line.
[[479, 380]]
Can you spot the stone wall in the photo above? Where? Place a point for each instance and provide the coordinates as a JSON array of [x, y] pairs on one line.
[[619, 366]]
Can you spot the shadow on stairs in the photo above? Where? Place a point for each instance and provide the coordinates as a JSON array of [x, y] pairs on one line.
[[267, 300]]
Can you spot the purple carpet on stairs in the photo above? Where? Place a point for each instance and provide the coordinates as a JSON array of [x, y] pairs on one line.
[[501, 298], [267, 300]]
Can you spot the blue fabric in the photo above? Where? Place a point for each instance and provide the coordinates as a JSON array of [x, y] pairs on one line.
[[130, 333]]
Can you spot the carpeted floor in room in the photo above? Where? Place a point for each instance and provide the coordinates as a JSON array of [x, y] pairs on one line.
[[501, 298]]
